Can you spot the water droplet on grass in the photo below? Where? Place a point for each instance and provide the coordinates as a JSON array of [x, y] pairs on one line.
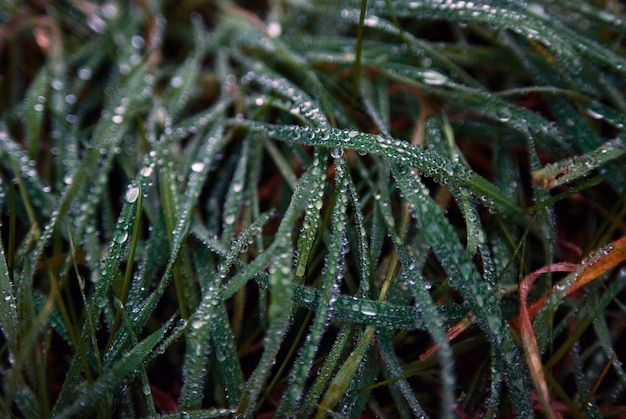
[[176, 82], [369, 310], [336, 152], [57, 84], [131, 194], [371, 21], [137, 41], [121, 237], [434, 78], [274, 29], [504, 114], [84, 73], [197, 324], [146, 171], [197, 167], [220, 356]]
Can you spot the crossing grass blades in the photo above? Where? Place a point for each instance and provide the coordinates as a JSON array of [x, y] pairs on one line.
[[313, 209]]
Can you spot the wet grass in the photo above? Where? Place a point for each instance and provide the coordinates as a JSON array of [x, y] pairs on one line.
[[312, 209]]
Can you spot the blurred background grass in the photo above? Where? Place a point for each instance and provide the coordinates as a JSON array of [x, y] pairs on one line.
[[309, 208]]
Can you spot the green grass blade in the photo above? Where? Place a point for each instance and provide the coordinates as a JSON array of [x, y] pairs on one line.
[[214, 142], [311, 219], [111, 379], [208, 324], [482, 298], [398, 151], [8, 309], [232, 205], [280, 283], [566, 171], [433, 322], [165, 164], [393, 365], [332, 278], [327, 370], [33, 111]]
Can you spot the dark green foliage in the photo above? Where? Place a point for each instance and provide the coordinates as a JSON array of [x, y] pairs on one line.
[[322, 208]]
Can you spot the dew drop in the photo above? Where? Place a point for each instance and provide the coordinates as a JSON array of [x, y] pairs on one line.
[[368, 311], [595, 115], [121, 238], [176, 82], [220, 355], [434, 78], [591, 161], [146, 171], [274, 29], [131, 194], [336, 152], [137, 41], [197, 167], [57, 84], [449, 168], [101, 302], [197, 324], [84, 73], [371, 21], [504, 114]]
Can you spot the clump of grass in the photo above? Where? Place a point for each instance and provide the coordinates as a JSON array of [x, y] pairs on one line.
[[397, 208]]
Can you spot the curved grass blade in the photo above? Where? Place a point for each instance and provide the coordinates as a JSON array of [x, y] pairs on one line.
[[311, 218], [8, 308], [33, 111], [384, 337], [111, 379], [333, 274], [235, 196], [281, 287], [361, 238], [99, 299], [397, 151], [567, 45], [566, 171], [327, 370], [482, 297], [209, 323], [35, 193], [302, 104], [214, 142], [434, 324]]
